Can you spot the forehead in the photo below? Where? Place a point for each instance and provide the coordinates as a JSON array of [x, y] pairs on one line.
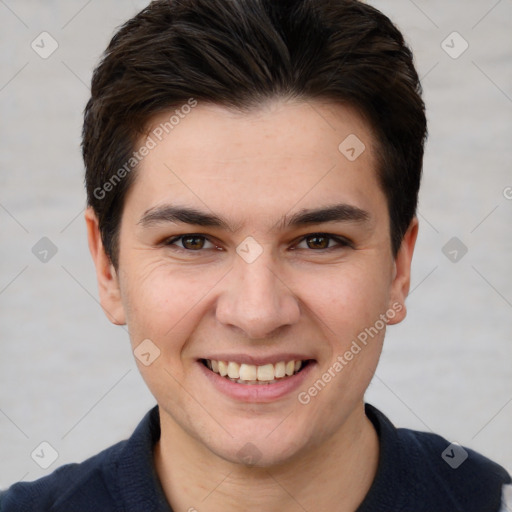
[[258, 162]]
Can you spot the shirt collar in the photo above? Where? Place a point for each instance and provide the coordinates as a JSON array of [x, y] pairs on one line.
[[139, 485]]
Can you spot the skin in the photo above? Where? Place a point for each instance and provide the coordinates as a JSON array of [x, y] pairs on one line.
[[313, 297]]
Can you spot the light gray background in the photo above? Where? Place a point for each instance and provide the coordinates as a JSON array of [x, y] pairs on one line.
[[68, 377]]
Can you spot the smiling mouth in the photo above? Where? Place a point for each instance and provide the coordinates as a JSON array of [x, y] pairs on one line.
[[253, 374]]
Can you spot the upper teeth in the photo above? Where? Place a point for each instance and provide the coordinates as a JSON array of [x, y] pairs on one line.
[[251, 372]]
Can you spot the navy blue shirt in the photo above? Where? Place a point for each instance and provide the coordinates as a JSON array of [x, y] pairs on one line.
[[417, 472]]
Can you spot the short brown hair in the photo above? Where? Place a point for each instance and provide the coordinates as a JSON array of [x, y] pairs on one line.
[[240, 53]]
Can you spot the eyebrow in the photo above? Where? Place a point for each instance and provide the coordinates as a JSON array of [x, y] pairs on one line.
[[335, 213], [181, 214], [186, 215]]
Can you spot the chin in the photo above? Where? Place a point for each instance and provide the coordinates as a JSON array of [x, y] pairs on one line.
[[258, 450]]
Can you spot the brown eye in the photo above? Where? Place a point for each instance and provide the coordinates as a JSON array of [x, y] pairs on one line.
[[190, 242], [193, 243], [317, 242], [323, 241]]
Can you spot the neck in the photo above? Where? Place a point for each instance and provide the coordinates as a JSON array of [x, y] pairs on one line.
[[335, 475]]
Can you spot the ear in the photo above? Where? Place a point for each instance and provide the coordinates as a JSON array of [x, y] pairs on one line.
[[108, 282], [402, 273]]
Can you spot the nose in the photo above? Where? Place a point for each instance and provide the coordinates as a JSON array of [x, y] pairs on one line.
[[256, 299]]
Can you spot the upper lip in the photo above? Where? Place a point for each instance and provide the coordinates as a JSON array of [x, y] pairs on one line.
[[258, 360]]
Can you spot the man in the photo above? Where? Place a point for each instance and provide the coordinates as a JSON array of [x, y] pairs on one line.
[[252, 170]]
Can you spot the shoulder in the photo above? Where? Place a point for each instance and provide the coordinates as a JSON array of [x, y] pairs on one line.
[[454, 474], [424, 472], [120, 478], [84, 485]]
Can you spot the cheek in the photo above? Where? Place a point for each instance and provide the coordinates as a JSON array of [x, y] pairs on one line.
[[165, 305], [162, 301], [347, 298]]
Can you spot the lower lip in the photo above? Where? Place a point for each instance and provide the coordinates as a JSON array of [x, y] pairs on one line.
[[257, 392]]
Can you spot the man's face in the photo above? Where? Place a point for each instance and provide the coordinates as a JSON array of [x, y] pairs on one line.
[[252, 239]]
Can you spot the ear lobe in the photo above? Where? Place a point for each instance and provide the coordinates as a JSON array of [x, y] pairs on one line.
[[108, 282], [402, 273]]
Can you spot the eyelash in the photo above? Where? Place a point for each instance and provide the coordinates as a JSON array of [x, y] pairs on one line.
[[172, 241], [340, 241]]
